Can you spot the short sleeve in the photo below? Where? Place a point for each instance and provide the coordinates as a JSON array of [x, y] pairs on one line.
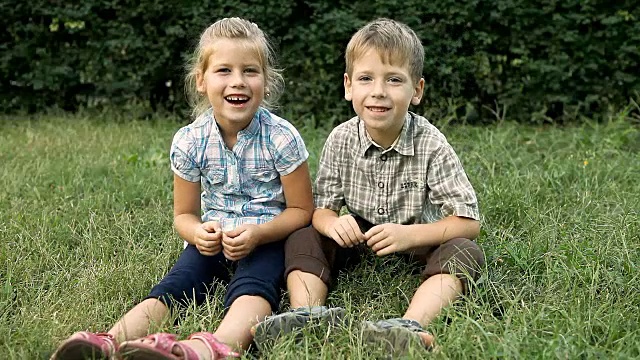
[[183, 156], [449, 186], [328, 192], [290, 150]]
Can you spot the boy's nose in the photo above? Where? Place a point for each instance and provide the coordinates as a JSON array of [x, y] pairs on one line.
[[378, 89]]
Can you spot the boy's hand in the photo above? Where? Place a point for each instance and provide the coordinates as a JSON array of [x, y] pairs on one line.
[[345, 231], [208, 237], [387, 239], [240, 242]]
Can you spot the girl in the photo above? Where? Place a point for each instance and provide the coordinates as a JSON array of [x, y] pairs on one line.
[[241, 185]]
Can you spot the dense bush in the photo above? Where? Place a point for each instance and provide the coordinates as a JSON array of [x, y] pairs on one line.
[[537, 60]]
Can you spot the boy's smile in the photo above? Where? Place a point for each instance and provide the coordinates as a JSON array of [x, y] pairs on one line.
[[233, 82], [381, 94]]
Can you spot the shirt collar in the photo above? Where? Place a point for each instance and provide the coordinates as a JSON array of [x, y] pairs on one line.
[[250, 130], [403, 144], [254, 125]]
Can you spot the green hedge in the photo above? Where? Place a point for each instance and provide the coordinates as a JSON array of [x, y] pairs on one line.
[[539, 60]]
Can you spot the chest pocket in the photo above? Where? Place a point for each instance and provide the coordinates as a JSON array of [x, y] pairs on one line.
[[263, 175], [261, 182], [411, 189], [214, 177]]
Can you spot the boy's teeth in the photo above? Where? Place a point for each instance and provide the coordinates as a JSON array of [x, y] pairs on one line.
[[378, 109]]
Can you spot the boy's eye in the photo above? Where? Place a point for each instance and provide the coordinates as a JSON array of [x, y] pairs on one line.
[[364, 78], [395, 80]]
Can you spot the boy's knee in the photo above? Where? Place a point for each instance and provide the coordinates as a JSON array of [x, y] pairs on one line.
[[460, 257], [304, 252], [302, 241], [466, 252]]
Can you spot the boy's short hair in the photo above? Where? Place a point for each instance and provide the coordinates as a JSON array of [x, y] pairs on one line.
[[395, 42]]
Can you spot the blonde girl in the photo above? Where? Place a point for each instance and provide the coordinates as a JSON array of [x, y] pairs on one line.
[[241, 186]]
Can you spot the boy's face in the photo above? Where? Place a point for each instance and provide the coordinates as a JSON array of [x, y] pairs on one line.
[[381, 94]]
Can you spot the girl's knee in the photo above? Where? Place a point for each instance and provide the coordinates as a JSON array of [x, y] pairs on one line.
[[267, 290]]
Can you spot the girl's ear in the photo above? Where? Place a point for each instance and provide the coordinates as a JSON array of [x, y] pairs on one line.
[[200, 85], [347, 87], [417, 92]]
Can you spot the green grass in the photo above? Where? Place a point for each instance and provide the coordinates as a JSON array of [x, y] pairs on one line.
[[86, 231]]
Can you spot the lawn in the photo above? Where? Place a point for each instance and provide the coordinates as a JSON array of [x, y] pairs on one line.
[[86, 231]]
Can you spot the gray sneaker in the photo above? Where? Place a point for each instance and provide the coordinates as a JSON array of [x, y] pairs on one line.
[[395, 335], [274, 326]]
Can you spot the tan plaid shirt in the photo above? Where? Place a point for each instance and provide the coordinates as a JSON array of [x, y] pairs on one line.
[[417, 180]]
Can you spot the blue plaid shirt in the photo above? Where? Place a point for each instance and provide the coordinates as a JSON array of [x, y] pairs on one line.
[[240, 185]]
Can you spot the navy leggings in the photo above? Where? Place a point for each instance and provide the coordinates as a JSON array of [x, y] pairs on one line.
[[194, 276]]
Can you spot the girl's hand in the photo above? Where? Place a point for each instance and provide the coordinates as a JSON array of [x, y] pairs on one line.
[[387, 239], [240, 242], [208, 238], [345, 231]]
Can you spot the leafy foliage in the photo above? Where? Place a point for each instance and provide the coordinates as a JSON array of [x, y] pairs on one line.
[[530, 60]]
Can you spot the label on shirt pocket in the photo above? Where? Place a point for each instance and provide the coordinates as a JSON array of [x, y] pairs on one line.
[[412, 184]]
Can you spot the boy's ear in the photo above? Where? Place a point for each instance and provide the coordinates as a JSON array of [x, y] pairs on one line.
[[347, 87], [200, 86], [417, 92]]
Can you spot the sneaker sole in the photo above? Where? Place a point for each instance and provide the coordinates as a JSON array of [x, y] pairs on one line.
[[394, 340], [286, 323]]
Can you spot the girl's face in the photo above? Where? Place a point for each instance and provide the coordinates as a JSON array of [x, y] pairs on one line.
[[234, 83]]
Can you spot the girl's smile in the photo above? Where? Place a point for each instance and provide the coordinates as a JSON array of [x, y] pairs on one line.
[[233, 82]]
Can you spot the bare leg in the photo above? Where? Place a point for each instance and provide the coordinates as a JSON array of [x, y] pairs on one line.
[[135, 323], [435, 293], [245, 312], [305, 289]]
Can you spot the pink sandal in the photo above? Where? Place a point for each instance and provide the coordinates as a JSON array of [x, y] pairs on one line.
[[217, 349], [87, 345], [161, 348], [164, 343]]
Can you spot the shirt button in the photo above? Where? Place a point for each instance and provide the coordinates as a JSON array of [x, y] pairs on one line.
[[383, 157], [381, 211], [380, 184]]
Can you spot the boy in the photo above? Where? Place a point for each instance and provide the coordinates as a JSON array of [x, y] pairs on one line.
[[404, 189]]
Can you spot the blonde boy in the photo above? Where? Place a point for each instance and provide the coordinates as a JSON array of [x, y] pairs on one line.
[[404, 188]]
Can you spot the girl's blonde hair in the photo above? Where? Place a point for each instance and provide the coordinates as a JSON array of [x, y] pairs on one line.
[[240, 29], [396, 43]]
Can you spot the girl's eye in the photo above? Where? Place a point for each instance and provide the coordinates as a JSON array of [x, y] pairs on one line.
[[251, 70], [223, 70]]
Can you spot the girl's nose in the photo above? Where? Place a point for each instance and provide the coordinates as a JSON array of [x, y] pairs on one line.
[[237, 79]]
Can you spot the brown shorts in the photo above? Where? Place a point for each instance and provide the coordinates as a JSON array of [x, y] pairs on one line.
[[309, 251]]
